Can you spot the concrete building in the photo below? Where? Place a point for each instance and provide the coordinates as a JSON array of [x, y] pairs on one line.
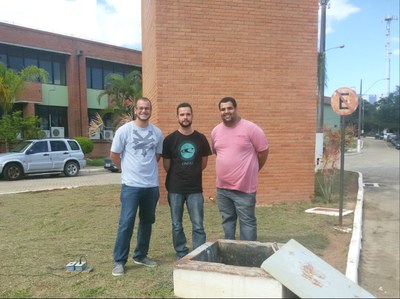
[[76, 67]]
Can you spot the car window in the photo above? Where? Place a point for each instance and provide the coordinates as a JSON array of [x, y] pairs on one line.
[[58, 145], [21, 147], [74, 145], [39, 147]]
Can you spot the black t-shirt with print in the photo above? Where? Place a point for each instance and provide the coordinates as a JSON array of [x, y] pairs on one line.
[[186, 153]]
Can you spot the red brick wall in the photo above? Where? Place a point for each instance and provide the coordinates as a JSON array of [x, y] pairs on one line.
[[264, 54]]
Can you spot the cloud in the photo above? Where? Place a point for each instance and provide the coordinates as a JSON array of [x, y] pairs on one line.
[[106, 6], [338, 10], [117, 22]]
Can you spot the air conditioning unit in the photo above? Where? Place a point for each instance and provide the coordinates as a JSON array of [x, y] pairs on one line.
[[95, 136], [108, 134], [57, 132], [46, 133]]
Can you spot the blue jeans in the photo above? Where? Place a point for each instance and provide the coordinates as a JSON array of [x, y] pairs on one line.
[[132, 199], [235, 204], [195, 207]]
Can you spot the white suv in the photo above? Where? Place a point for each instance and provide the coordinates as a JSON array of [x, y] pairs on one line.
[[38, 156]]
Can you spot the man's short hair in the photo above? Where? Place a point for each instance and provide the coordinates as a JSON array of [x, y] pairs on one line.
[[226, 100], [184, 105]]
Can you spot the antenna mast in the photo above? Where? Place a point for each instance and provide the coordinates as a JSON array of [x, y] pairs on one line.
[[388, 19]]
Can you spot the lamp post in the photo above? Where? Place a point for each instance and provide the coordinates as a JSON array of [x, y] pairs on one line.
[[319, 138], [321, 88], [361, 112], [321, 59], [48, 108]]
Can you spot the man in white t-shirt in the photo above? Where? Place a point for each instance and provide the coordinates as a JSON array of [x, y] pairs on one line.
[[136, 150]]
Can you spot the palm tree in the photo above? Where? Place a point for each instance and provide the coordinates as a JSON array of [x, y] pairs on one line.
[[123, 91], [12, 83]]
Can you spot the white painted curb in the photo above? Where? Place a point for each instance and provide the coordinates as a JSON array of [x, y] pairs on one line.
[[353, 257]]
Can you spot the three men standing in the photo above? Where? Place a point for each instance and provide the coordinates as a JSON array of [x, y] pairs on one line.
[[241, 149]]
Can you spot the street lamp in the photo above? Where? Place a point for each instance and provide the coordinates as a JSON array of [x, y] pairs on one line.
[[48, 108], [337, 47], [321, 88], [361, 111]]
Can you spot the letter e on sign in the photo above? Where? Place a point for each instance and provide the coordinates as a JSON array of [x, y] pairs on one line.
[[344, 101]]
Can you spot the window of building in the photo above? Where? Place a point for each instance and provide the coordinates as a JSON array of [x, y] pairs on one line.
[[97, 70], [18, 58], [52, 116], [3, 55], [97, 76]]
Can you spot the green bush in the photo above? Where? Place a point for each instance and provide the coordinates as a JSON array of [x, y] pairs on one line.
[[86, 144]]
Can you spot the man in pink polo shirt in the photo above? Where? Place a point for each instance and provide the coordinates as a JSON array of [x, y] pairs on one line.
[[242, 149]]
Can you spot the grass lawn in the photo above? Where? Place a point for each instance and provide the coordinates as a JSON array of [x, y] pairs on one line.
[[41, 232]]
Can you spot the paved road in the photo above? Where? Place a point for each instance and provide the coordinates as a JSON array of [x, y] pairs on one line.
[[87, 176], [380, 256]]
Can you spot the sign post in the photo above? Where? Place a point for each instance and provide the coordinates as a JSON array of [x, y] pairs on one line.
[[344, 102]]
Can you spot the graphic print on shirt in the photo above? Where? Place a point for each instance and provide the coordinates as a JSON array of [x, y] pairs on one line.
[[143, 143], [187, 152]]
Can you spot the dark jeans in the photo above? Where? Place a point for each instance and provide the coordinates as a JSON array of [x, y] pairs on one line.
[[132, 199], [235, 204], [195, 206]]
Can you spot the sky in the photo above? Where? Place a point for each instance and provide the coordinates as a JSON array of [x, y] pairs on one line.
[[359, 25]]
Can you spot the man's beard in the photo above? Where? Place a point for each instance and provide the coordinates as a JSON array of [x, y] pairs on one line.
[[185, 125]]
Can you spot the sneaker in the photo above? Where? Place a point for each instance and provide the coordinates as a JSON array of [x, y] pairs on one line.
[[118, 269], [145, 261]]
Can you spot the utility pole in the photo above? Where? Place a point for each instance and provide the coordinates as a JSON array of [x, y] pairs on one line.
[[321, 52], [388, 19], [360, 107]]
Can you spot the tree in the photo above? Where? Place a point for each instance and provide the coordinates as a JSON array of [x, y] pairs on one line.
[[123, 91], [12, 83], [388, 110], [13, 125], [384, 114]]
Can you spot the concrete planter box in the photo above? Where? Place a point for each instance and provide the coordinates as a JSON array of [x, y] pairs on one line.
[[227, 268]]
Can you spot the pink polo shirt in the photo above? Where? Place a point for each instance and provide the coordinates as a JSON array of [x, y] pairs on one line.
[[237, 151]]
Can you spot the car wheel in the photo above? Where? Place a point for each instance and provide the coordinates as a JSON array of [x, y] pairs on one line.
[[71, 168], [13, 172]]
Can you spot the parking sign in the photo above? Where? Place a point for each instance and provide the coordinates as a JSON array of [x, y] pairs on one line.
[[344, 101]]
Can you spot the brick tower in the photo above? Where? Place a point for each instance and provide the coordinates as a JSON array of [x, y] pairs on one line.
[[261, 52]]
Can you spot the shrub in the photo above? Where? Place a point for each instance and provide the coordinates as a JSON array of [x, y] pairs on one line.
[[86, 144]]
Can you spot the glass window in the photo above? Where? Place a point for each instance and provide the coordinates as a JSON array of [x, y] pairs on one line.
[[3, 55], [56, 73], [39, 147], [16, 63], [97, 76], [28, 61], [58, 146], [46, 65], [73, 145], [88, 76]]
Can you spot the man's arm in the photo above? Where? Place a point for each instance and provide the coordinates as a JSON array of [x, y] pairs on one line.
[[204, 162], [262, 158], [116, 158], [166, 164]]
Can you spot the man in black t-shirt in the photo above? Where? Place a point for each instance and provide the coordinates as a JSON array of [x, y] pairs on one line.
[[185, 155]]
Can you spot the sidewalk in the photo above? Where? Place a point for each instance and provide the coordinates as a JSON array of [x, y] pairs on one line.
[[87, 176]]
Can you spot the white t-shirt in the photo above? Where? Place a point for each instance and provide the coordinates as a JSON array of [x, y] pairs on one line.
[[138, 148]]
